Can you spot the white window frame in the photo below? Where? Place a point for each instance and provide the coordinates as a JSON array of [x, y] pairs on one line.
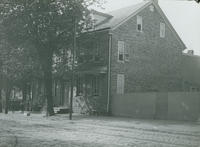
[[121, 50], [162, 30], [120, 83], [126, 54], [139, 22]]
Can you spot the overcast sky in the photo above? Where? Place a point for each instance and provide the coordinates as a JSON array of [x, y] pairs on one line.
[[184, 16]]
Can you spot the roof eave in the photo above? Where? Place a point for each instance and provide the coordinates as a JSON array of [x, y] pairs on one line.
[[169, 24], [161, 13], [101, 13], [97, 30], [130, 16]]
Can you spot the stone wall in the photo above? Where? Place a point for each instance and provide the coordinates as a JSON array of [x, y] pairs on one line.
[[154, 63]]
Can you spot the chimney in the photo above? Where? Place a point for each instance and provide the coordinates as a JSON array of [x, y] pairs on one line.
[[190, 52], [155, 1]]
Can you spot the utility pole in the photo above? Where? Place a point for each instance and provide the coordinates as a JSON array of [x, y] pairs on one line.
[[72, 73]]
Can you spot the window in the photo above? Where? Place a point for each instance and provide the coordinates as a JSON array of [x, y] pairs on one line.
[[120, 84], [151, 8], [162, 30], [121, 51], [92, 21], [139, 23]]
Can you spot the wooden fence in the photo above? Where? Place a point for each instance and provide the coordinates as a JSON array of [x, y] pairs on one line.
[[158, 105]]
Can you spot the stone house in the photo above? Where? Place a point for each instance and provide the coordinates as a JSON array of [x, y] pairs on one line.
[[133, 49]]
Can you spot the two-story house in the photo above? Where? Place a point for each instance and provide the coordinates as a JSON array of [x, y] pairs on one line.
[[133, 49]]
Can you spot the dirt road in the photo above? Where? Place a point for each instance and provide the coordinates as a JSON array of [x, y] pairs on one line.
[[17, 130]]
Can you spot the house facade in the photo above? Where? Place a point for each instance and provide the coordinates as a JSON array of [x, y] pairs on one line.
[[92, 71], [134, 49]]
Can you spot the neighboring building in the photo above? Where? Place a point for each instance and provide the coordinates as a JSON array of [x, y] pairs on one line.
[[134, 49], [191, 72]]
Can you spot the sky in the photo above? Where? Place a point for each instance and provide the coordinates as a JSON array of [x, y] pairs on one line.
[[184, 16]]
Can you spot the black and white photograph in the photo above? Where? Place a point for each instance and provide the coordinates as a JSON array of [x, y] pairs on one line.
[[99, 73]]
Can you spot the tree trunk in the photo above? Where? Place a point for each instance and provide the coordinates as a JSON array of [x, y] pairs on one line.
[[32, 95], [55, 88], [47, 67], [0, 101], [24, 95], [8, 90], [29, 97], [62, 92]]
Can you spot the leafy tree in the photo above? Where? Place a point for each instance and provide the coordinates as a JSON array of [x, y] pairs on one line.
[[47, 25], [16, 68], [198, 1]]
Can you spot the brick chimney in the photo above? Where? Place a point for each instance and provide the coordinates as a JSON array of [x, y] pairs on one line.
[[155, 1], [190, 52]]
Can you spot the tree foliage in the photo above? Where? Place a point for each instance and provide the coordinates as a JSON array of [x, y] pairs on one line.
[[198, 1], [44, 25]]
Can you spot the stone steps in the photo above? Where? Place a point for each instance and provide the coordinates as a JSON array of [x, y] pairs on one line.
[[61, 110]]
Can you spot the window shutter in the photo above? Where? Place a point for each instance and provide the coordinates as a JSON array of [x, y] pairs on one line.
[[120, 84], [162, 30], [127, 52]]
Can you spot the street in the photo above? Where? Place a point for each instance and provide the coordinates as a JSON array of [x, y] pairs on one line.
[[18, 130]]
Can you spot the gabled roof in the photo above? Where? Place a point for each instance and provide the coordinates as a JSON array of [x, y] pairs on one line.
[[100, 18], [118, 16], [122, 15], [184, 16]]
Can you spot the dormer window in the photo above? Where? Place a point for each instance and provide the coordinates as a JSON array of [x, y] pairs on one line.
[[162, 30], [139, 23], [92, 20]]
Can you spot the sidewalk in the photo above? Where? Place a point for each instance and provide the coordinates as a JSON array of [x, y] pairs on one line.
[[84, 131]]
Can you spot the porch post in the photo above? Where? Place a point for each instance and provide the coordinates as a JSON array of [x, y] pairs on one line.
[[72, 78]]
